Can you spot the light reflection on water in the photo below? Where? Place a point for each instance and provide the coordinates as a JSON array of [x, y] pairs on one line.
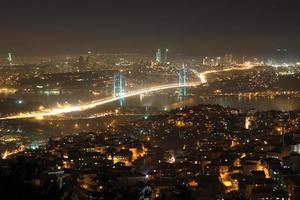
[[281, 103]]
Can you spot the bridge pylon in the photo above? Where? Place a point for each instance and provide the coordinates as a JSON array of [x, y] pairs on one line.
[[118, 88], [182, 81]]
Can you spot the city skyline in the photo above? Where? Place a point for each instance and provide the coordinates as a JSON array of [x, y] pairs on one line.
[[191, 27], [150, 100]]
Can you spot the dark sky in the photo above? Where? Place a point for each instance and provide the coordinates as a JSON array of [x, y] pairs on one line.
[[196, 27]]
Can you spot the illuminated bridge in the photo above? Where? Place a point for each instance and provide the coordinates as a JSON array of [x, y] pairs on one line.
[[93, 104]]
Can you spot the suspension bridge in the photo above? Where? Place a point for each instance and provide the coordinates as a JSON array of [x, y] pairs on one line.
[[119, 94]]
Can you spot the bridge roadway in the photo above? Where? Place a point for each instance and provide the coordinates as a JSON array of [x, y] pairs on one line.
[[93, 104]]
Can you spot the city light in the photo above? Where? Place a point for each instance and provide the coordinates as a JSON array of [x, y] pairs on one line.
[[150, 100], [68, 108]]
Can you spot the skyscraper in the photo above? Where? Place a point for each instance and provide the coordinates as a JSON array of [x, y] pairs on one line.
[[166, 55], [218, 61], [205, 61], [228, 58], [81, 63], [244, 58], [158, 56], [9, 58], [281, 56]]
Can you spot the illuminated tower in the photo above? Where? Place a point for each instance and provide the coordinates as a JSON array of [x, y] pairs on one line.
[[118, 88], [158, 56], [284, 55], [182, 81], [81, 63], [205, 61], [281, 56], [228, 59], [166, 55], [9, 58], [218, 61], [179, 83]]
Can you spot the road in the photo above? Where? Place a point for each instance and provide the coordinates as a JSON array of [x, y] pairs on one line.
[[93, 104]]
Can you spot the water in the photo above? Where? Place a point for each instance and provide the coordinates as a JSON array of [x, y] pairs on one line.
[[170, 100], [280, 103], [41, 130]]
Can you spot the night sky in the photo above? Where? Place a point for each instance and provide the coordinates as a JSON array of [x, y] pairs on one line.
[[198, 27]]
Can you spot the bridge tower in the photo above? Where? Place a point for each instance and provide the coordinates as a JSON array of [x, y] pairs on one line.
[[182, 81], [118, 88]]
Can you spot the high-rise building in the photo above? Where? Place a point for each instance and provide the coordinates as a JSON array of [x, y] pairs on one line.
[[158, 56], [228, 58], [166, 55], [281, 56], [88, 60], [218, 61], [244, 58], [205, 61], [81, 63], [9, 58], [212, 62]]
